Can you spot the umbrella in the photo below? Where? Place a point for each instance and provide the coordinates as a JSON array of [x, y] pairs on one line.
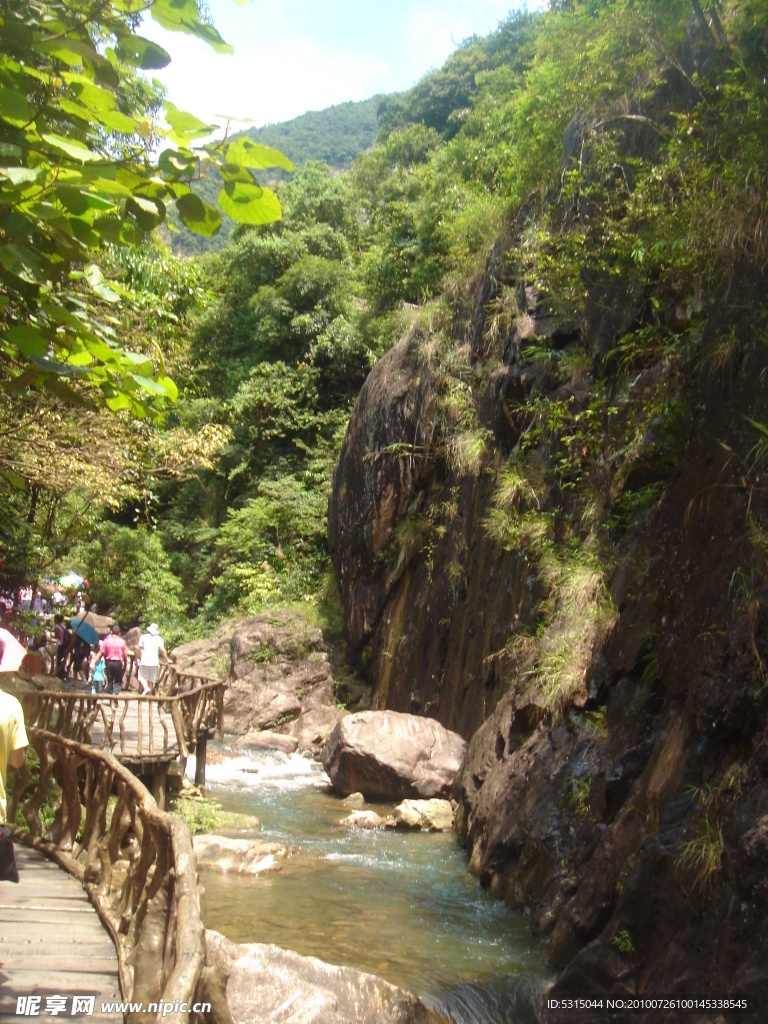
[[71, 579], [13, 652], [85, 631]]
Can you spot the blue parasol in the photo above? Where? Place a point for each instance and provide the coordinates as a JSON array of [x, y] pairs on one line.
[[85, 631]]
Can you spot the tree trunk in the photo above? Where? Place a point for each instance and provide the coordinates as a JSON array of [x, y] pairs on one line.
[[34, 494]]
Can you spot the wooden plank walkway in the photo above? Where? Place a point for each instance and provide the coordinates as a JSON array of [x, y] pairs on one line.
[[52, 943], [142, 717]]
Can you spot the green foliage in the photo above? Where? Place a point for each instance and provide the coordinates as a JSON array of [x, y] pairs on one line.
[[129, 574], [281, 292], [201, 815], [443, 98], [623, 942], [271, 551], [580, 795], [334, 136], [78, 123]]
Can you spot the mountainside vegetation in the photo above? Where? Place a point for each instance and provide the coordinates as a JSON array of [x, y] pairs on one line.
[[633, 160], [334, 136]]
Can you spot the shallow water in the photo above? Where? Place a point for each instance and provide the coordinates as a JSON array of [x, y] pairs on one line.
[[401, 905]]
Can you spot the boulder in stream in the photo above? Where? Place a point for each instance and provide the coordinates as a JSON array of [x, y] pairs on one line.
[[362, 819], [238, 856], [354, 800], [269, 985], [426, 815], [267, 739], [387, 755]]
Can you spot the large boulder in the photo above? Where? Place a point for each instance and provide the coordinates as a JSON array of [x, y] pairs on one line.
[[238, 856], [388, 755], [269, 985]]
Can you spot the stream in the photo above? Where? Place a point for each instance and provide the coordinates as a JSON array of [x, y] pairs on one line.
[[401, 905]]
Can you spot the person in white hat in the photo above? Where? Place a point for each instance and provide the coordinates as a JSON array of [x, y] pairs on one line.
[[151, 647]]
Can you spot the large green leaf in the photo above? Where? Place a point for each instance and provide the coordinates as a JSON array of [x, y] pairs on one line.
[[79, 202], [182, 16], [235, 172], [16, 225], [176, 163], [148, 212], [14, 107], [95, 278], [185, 124], [29, 339], [24, 263], [22, 175], [248, 153], [249, 203], [142, 53], [118, 231], [71, 147], [68, 50], [198, 217]]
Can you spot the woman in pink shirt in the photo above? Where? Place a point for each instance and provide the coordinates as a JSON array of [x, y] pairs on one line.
[[115, 655]]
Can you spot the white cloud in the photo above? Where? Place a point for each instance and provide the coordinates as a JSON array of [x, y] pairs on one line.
[[297, 55]]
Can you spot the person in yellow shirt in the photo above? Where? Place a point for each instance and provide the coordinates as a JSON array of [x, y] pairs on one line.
[[13, 744]]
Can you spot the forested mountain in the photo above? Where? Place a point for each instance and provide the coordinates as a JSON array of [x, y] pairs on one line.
[[334, 136], [522, 344]]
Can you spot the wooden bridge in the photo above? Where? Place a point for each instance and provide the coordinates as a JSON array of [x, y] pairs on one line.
[[145, 733], [85, 808]]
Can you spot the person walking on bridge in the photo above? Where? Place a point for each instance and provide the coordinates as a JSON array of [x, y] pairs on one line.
[[115, 654], [152, 647]]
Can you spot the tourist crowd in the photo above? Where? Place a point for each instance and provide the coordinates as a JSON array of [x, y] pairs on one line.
[[82, 649]]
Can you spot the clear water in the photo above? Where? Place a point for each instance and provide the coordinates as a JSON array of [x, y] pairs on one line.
[[401, 905]]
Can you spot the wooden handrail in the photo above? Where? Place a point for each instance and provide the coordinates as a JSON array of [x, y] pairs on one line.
[[101, 718], [135, 862]]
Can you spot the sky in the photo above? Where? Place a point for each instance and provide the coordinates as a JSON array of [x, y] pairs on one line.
[[297, 55]]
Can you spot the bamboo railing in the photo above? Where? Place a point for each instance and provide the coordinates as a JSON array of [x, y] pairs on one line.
[[88, 812]]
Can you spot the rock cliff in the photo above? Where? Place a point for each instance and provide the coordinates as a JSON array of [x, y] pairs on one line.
[[562, 557], [280, 683]]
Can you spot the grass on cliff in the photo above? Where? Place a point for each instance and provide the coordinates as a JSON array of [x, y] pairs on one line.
[[581, 616], [702, 856]]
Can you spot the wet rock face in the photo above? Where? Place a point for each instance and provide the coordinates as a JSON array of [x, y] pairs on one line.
[[385, 755], [428, 600], [383, 461], [279, 676], [269, 985]]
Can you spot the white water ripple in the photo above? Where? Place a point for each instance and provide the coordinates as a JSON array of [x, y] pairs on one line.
[[262, 767]]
